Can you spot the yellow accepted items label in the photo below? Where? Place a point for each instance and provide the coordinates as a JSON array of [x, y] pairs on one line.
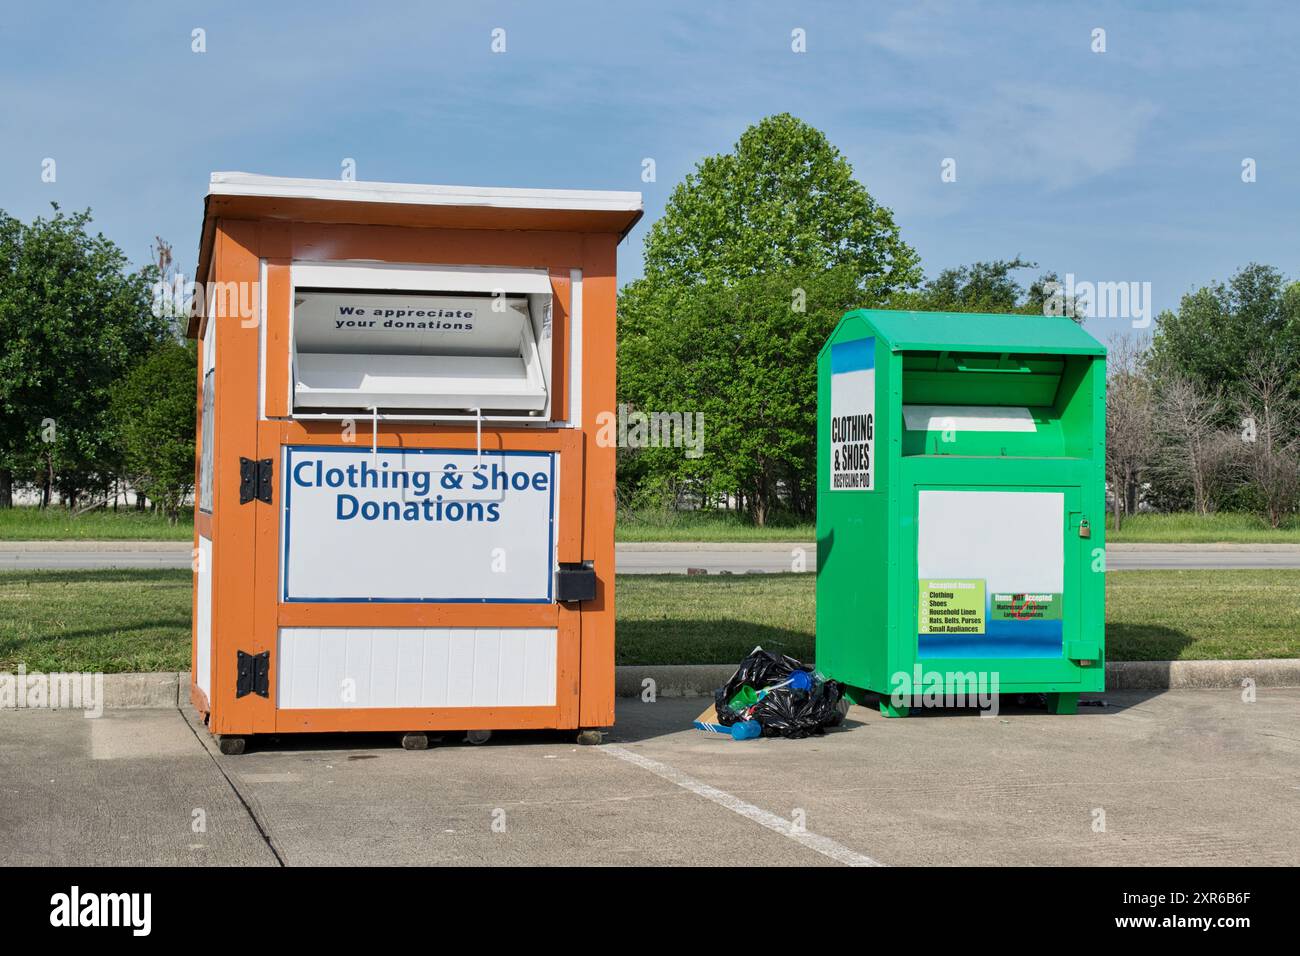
[[951, 606]]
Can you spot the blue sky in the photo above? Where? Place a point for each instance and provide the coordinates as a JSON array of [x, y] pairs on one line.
[[1115, 166]]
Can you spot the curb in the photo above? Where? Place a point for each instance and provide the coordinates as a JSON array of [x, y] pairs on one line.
[[1228, 546], [121, 691], [700, 680], [720, 546], [672, 680], [1186, 675], [170, 688], [135, 691]]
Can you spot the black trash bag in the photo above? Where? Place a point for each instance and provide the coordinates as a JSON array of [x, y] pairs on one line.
[[795, 714], [784, 712], [759, 669]]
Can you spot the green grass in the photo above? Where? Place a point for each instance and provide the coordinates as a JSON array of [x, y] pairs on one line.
[[110, 621], [705, 526], [1150, 615], [139, 620], [1202, 615], [672, 618], [57, 524], [1200, 529]]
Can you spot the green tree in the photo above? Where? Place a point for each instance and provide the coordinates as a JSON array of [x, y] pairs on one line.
[[783, 199], [758, 253], [73, 319], [1222, 329], [986, 286], [745, 356], [152, 411]]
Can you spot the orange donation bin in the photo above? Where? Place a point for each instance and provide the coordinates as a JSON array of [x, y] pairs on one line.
[[404, 521]]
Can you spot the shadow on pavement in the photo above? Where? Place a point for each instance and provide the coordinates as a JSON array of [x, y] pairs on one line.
[[637, 721], [1013, 705], [368, 745]]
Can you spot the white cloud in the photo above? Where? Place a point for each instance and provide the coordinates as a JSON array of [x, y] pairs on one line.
[[1046, 135]]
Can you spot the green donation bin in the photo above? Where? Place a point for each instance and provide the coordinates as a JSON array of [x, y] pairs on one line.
[[961, 508]]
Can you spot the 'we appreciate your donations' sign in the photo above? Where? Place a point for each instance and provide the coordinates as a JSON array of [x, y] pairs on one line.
[[417, 525]]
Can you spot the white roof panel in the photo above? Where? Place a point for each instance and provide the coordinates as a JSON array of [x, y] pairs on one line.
[[415, 194]]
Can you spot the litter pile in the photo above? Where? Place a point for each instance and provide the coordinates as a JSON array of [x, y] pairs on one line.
[[774, 696]]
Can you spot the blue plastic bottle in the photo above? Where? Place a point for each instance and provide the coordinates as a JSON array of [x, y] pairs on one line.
[[746, 730]]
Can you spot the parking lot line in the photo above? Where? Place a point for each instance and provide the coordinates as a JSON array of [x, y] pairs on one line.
[[813, 841]]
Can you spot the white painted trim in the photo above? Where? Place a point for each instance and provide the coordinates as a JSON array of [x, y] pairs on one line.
[[203, 619], [279, 187], [415, 417], [210, 344], [261, 343], [421, 382], [416, 277], [575, 348]]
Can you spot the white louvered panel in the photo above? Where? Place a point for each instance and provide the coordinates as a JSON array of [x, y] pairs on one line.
[[415, 667]]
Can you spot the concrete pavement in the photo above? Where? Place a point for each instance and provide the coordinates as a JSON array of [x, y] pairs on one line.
[[655, 557], [1181, 777], [123, 788]]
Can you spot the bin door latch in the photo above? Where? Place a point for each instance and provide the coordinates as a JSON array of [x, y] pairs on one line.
[[575, 582], [1085, 530], [255, 480], [252, 674], [1083, 653]]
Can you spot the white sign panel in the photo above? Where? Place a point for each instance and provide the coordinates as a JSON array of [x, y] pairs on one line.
[[1014, 540], [968, 418], [853, 415], [417, 525], [406, 324]]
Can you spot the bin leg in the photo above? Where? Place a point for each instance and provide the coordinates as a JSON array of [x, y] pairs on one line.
[[230, 746], [415, 741], [1067, 703], [854, 695], [889, 709]]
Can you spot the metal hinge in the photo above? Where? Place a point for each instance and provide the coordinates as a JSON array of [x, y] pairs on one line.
[[255, 480], [252, 674]]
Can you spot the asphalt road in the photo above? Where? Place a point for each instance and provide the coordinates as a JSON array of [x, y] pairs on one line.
[[656, 558], [90, 555], [739, 559], [1180, 777]]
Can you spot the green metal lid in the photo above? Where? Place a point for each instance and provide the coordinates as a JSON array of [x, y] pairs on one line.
[[980, 332]]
